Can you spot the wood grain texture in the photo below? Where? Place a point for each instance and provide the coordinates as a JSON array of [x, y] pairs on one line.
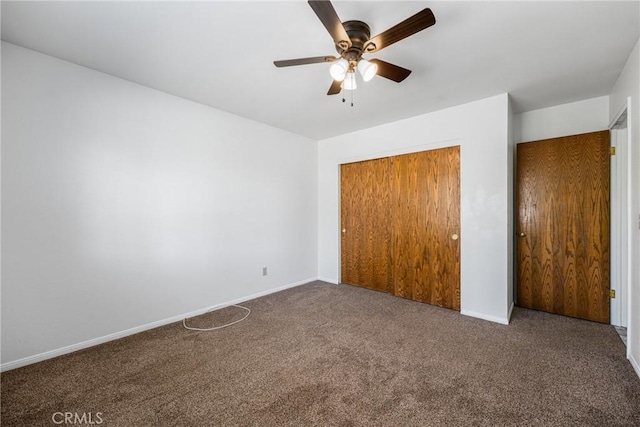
[[426, 214], [399, 215], [563, 208], [365, 216]]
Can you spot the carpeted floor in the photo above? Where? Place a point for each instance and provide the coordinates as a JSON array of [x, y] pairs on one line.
[[329, 355]]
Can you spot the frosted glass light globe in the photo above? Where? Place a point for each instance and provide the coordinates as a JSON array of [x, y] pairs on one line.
[[367, 69], [338, 69]]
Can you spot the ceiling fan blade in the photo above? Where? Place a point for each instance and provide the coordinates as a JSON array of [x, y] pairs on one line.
[[304, 61], [408, 27], [335, 88], [329, 18], [390, 71]]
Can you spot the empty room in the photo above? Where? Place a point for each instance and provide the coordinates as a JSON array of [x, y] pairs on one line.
[[292, 213]]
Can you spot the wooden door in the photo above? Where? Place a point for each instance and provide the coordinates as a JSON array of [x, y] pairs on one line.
[[563, 224], [401, 225], [426, 226], [366, 235]]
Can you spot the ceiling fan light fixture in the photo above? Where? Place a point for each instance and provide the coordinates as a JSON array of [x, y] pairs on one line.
[[367, 69], [350, 82], [352, 40], [338, 69]]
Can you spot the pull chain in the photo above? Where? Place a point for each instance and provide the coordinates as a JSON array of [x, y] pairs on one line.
[[352, 76]]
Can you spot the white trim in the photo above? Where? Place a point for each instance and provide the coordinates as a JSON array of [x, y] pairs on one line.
[[510, 311], [339, 230], [490, 318], [621, 224], [117, 335], [621, 110], [634, 364], [332, 281], [631, 229]]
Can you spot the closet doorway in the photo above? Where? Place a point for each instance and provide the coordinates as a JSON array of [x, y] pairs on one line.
[[400, 220]]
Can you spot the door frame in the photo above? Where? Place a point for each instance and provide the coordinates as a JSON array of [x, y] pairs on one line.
[[597, 288], [621, 225]]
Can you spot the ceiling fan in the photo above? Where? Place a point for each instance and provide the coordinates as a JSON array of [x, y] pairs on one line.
[[353, 39]]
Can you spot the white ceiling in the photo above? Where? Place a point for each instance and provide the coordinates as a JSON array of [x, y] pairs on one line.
[[221, 53]]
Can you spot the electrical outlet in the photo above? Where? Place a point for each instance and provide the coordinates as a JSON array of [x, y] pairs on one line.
[[264, 271]]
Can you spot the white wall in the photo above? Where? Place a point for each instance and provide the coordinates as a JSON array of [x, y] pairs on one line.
[[628, 85], [511, 204], [586, 116], [481, 129], [124, 207]]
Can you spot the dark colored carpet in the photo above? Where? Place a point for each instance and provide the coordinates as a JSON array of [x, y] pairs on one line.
[[322, 354]]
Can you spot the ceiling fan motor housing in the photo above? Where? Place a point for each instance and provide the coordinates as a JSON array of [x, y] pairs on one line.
[[352, 39], [359, 33]]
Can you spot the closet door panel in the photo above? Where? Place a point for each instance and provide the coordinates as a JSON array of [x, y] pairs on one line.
[[426, 226], [400, 220], [366, 235]]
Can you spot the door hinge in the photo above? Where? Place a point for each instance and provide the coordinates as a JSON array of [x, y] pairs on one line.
[[612, 150], [612, 293]]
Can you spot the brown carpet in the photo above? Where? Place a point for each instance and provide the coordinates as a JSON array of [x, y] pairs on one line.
[[322, 354]]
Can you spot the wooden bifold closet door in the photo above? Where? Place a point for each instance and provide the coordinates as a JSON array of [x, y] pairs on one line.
[[401, 225]]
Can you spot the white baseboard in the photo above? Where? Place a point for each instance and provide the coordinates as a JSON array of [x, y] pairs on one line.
[[634, 363], [324, 279], [496, 319], [510, 311], [117, 335]]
